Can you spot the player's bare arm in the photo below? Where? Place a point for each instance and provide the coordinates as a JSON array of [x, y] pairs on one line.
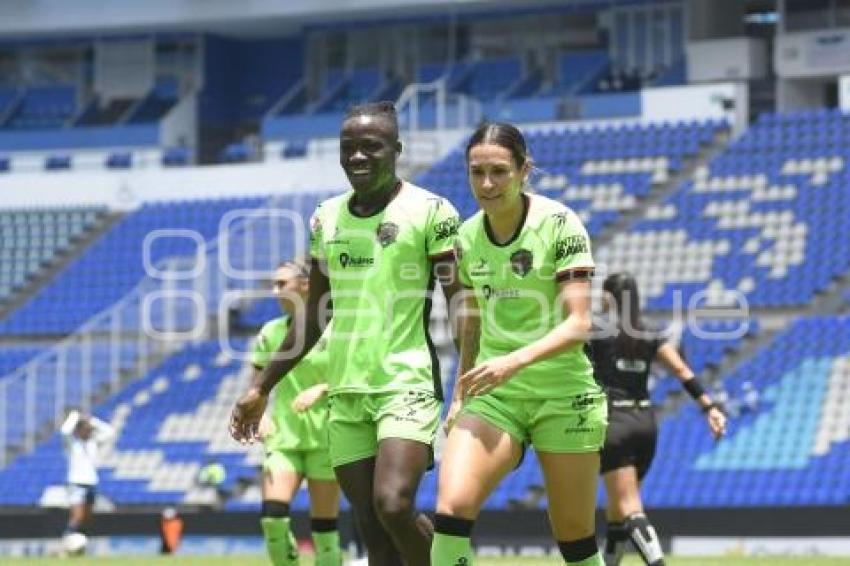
[[249, 409], [674, 363], [574, 295]]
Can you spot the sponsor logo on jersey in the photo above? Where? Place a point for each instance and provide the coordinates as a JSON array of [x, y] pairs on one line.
[[346, 260], [446, 228], [570, 246], [521, 262], [631, 366], [580, 426], [480, 268], [560, 218], [490, 292], [437, 202], [412, 400], [387, 233], [582, 401], [336, 240]]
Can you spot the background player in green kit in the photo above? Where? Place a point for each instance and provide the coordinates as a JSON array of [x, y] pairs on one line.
[[527, 260], [295, 436], [377, 250]]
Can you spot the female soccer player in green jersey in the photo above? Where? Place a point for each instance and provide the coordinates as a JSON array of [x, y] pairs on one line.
[[296, 436], [376, 252], [523, 375]]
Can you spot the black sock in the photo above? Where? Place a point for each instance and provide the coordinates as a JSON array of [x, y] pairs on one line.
[[272, 508], [453, 526], [578, 550], [322, 525], [615, 543]]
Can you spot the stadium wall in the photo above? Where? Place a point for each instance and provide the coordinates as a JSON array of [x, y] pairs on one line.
[[808, 530], [52, 17], [736, 58], [124, 190], [812, 54]]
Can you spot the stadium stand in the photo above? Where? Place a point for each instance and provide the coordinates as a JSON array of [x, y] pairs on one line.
[[11, 357], [114, 264], [42, 108], [767, 215], [157, 103], [172, 419], [599, 171], [32, 239], [792, 451], [95, 373], [198, 383]]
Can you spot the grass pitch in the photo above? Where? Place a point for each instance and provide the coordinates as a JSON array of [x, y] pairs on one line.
[[254, 560]]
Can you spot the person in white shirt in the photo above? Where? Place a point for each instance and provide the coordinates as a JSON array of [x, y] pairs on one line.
[[83, 436]]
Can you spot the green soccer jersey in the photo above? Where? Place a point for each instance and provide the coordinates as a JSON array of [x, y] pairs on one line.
[[379, 269], [293, 430], [516, 288]]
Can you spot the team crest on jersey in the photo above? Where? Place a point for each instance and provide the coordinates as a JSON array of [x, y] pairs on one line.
[[521, 262], [387, 233]]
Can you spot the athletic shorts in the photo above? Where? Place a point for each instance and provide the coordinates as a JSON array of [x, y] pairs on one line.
[[572, 424], [632, 434], [79, 493], [357, 422], [312, 464]]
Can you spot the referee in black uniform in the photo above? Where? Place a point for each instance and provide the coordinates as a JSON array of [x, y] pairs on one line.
[[622, 363]]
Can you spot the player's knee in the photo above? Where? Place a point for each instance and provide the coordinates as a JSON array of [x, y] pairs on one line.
[[392, 505], [457, 508]]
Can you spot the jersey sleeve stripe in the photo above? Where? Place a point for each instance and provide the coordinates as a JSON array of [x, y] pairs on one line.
[[574, 274], [442, 255]]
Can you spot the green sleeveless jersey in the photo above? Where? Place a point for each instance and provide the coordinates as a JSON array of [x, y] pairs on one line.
[[379, 269], [516, 288]]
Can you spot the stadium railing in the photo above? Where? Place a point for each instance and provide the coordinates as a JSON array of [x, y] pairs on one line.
[[171, 306]]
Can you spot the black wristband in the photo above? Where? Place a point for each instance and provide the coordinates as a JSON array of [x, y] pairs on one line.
[[694, 388], [709, 407]]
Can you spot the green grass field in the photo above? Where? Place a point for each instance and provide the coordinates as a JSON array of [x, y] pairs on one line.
[[261, 561]]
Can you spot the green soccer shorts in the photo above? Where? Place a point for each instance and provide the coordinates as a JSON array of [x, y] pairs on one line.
[[312, 464], [357, 422], [570, 424]]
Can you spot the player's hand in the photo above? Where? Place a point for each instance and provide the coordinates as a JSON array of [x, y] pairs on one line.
[[716, 422], [484, 378], [266, 428], [307, 398], [246, 415], [451, 416]]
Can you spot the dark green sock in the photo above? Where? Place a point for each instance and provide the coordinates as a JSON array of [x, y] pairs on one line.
[[448, 550], [327, 548], [280, 542], [595, 560]]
